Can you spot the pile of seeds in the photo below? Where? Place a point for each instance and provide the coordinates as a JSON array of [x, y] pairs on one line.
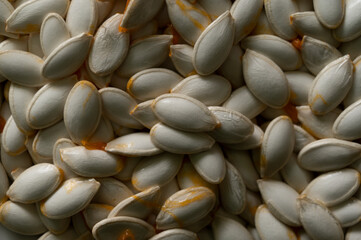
[[180, 119]]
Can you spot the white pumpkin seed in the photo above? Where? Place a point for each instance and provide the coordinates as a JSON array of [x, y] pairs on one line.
[[144, 114], [82, 17], [15, 44], [12, 163], [149, 28], [262, 26], [354, 93], [12, 139], [181, 56], [254, 141], [346, 125], [353, 233], [226, 228], [231, 68], [300, 84], [6, 10], [60, 144], [34, 44], [94, 213], [351, 48], [175, 234], [68, 234], [349, 29], [330, 13], [55, 226], [180, 142], [253, 201], [347, 213]]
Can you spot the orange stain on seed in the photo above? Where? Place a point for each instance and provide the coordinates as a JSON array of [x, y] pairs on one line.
[[31, 28], [297, 43], [94, 145], [318, 96], [127, 235], [105, 206], [87, 98], [291, 111], [126, 5], [2, 124], [71, 184], [124, 145], [309, 130], [185, 9], [192, 196]]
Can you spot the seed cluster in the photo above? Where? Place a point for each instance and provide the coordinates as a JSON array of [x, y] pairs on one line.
[[180, 119]]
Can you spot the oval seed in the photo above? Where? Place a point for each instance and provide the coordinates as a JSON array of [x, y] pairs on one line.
[[53, 32], [144, 114], [233, 191], [231, 68], [227, 228], [329, 154], [210, 164], [253, 201], [82, 111], [12, 139], [349, 29], [330, 13], [185, 207], [300, 84], [189, 19], [133, 145], [94, 213], [255, 67], [354, 94], [331, 86], [145, 53], [60, 144], [55, 226], [28, 17], [277, 145], [6, 10], [278, 13], [122, 227], [165, 165], [110, 47], [269, 227], [15, 44], [82, 17], [317, 54], [75, 192], [278, 50], [353, 233], [352, 48], [35, 45], [35, 183], [332, 188], [68, 234], [67, 57], [181, 56], [151, 83], [243, 101], [12, 163], [175, 234], [254, 141], [149, 28], [346, 125], [47, 105], [22, 67], [176, 141], [318, 221], [28, 224], [111, 191], [139, 205], [281, 201], [91, 163], [347, 213], [214, 44], [212, 90], [263, 26]]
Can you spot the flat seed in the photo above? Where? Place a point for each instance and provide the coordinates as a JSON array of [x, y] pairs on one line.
[[82, 17], [139, 12], [317, 126], [278, 50], [181, 56], [144, 114], [68, 234], [37, 158], [19, 98], [254, 141], [138, 206], [149, 28], [75, 192], [352, 48], [353, 233], [53, 32], [122, 227], [245, 14], [233, 191], [269, 227], [281, 201], [35, 183], [91, 163], [111, 191], [99, 81], [47, 106], [184, 113], [103, 134], [296, 176], [151, 83], [255, 67], [231, 68], [55, 226], [317, 54], [346, 125], [110, 47], [22, 68], [212, 90], [188, 19], [133, 145], [349, 29], [263, 26], [175, 234], [330, 13], [318, 221], [145, 53], [331, 86], [307, 23], [176, 141], [28, 224], [11, 163], [67, 57], [253, 201], [6, 10], [329, 154], [28, 17], [82, 111], [94, 213], [4, 186], [209, 53], [166, 165], [60, 144], [15, 44], [278, 13], [12, 139], [334, 187], [46, 138], [347, 213], [243, 101], [210, 164], [180, 209], [300, 84], [34, 44], [354, 94], [226, 228], [277, 145]]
